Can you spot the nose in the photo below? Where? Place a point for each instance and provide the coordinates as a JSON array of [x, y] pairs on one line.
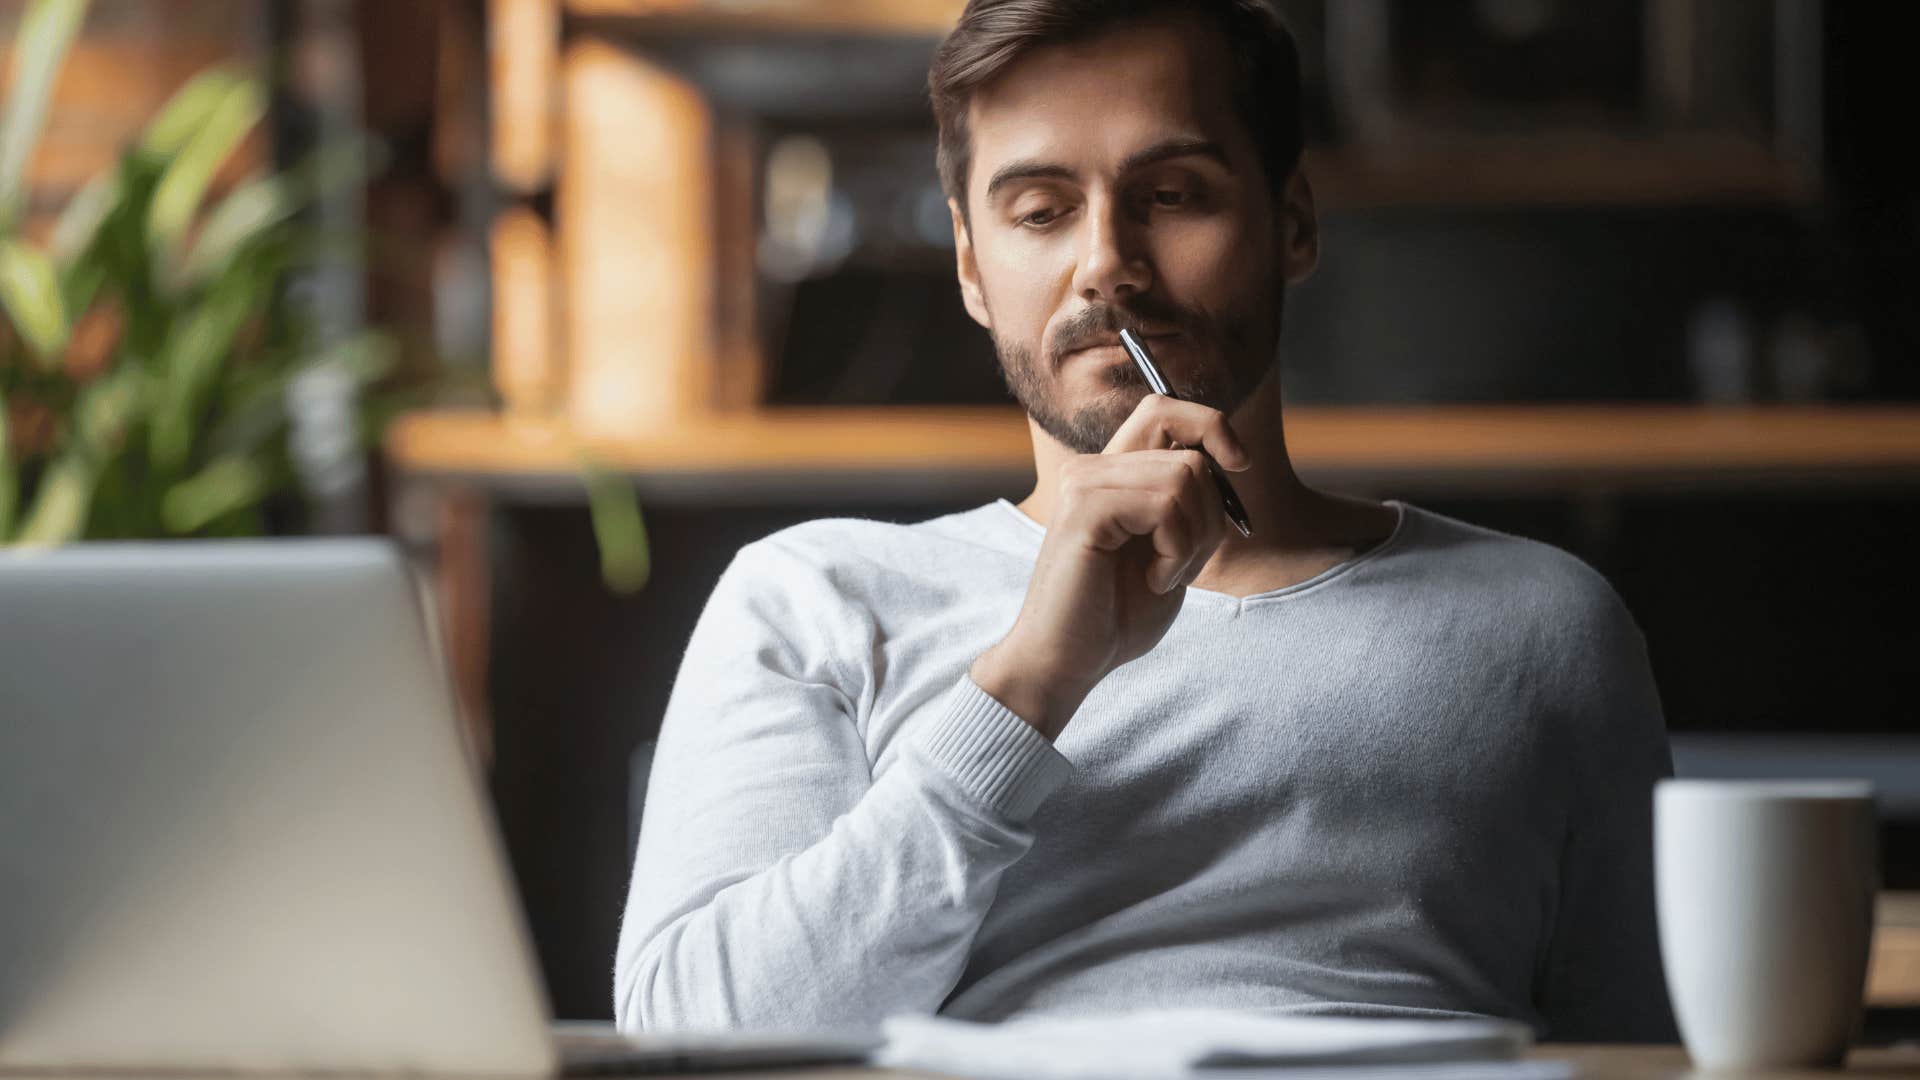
[[1113, 259]]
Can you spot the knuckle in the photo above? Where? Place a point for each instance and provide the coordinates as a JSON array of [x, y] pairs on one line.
[[1193, 468], [1073, 493], [1175, 477], [1073, 474], [1170, 512], [1177, 517]]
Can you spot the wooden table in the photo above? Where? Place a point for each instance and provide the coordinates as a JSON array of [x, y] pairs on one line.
[[1589, 1063], [1671, 1061]]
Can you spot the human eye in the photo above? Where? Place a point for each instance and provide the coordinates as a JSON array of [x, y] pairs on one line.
[[1180, 196], [1038, 217], [1171, 191]]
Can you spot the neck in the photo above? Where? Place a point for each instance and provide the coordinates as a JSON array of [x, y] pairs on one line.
[[1280, 507]]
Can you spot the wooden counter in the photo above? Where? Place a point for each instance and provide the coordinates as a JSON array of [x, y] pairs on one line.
[[1542, 448]]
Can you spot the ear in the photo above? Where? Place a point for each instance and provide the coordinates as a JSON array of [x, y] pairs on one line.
[[1299, 230], [968, 270]]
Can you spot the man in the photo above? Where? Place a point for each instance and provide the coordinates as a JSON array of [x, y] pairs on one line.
[[1093, 752]]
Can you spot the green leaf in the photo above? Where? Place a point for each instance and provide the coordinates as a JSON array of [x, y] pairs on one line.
[[227, 485], [46, 32], [63, 500], [81, 286], [30, 292], [250, 210], [60, 506], [80, 221], [187, 112], [362, 358], [184, 183], [259, 205], [9, 478], [107, 408], [625, 562], [191, 361]]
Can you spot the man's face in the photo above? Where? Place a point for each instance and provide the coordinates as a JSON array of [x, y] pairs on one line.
[[1112, 185]]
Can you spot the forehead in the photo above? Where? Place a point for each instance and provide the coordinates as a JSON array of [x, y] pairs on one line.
[[1090, 102]]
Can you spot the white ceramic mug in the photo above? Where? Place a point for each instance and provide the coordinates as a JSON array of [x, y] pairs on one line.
[[1765, 891]]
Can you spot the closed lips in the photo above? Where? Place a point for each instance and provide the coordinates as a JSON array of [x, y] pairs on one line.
[[1113, 343]]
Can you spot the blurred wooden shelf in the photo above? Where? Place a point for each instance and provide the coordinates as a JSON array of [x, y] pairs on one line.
[[1547, 169], [900, 450], [917, 17]]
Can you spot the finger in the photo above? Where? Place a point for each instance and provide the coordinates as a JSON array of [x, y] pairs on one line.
[[1159, 422], [1183, 473], [1170, 467], [1202, 501], [1114, 516]]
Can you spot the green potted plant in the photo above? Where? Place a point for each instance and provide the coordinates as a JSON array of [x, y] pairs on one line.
[[147, 348]]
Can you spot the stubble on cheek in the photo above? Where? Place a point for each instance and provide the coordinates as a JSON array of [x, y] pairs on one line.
[[1085, 429]]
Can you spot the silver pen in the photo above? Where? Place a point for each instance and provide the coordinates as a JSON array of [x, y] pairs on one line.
[[1235, 512]]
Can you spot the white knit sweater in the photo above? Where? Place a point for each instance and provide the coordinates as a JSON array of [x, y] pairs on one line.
[[1416, 785]]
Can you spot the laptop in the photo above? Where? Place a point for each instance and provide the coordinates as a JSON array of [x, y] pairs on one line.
[[240, 829]]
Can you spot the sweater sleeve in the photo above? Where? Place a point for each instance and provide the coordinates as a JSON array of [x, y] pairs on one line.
[[1602, 980], [778, 883]]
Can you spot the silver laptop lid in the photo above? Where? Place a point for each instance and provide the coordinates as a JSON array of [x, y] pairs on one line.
[[238, 827]]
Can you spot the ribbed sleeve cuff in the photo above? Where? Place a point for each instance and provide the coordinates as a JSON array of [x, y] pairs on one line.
[[992, 754]]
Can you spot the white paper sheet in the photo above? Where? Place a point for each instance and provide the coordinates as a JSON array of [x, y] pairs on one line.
[[1213, 1044]]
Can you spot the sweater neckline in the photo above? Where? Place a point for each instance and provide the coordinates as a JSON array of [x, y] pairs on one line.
[[1032, 533]]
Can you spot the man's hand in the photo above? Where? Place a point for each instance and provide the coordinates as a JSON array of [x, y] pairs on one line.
[[1131, 527]]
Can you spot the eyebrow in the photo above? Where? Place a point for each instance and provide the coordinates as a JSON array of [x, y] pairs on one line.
[[1029, 169]]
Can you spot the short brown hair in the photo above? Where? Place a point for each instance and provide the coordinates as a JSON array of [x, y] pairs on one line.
[[992, 34]]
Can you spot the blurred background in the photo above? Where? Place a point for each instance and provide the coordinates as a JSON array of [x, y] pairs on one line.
[[1636, 277]]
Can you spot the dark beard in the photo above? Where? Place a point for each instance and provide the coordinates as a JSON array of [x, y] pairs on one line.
[[1234, 339]]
